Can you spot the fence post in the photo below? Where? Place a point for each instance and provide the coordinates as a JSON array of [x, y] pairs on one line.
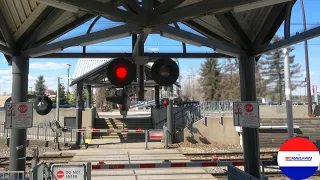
[[146, 138], [45, 134], [38, 132]]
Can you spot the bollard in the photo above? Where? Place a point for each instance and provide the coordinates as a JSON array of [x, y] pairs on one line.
[[146, 138]]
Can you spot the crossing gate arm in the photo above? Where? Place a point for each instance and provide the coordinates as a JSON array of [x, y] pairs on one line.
[[167, 165], [108, 130]]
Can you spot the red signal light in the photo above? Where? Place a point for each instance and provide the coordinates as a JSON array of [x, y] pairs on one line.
[[120, 105], [121, 72], [165, 102]]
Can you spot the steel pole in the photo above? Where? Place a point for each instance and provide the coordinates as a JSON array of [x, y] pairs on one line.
[[89, 97], [157, 96], [18, 137], [309, 97], [68, 71], [287, 74], [170, 122], [288, 93], [79, 110], [251, 149], [57, 146]]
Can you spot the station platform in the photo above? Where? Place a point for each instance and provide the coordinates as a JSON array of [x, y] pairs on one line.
[[112, 152]]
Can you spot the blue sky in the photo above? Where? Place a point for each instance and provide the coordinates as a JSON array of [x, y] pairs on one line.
[[52, 68]]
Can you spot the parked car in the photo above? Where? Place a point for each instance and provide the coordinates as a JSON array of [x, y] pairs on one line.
[[273, 103]]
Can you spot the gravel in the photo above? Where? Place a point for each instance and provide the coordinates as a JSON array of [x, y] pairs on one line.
[[5, 151]]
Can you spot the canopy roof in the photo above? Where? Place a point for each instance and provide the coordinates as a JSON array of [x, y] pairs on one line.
[[230, 27]]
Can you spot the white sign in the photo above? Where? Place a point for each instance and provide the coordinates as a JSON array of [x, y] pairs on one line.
[[68, 171], [314, 89], [246, 114], [19, 115]]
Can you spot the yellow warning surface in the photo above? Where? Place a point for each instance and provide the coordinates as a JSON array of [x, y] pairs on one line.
[[88, 141]]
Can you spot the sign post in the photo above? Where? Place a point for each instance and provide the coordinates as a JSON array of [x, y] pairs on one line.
[[246, 114], [69, 172], [19, 115]]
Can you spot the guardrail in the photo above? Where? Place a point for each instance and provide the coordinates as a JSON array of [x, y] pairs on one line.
[[40, 133]]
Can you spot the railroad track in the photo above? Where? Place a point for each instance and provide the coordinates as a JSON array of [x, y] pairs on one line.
[[4, 161]]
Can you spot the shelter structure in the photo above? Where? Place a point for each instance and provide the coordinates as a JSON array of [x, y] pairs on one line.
[[232, 28]]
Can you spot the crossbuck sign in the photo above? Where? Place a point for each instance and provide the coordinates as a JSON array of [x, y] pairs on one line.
[[246, 114]]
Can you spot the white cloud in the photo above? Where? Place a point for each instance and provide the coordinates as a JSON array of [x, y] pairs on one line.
[[154, 49], [3, 60], [51, 81], [48, 66], [5, 72]]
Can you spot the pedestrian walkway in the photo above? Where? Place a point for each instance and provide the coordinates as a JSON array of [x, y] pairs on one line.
[[116, 153]]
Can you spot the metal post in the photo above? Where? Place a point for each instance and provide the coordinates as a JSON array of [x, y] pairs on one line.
[[68, 71], [141, 82], [89, 97], [169, 122], [89, 170], [165, 133], [79, 112], [250, 135], [157, 95], [146, 135], [18, 137], [288, 93], [307, 62], [57, 146], [287, 73]]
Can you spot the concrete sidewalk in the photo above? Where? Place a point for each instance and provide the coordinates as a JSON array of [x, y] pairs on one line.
[[112, 152]]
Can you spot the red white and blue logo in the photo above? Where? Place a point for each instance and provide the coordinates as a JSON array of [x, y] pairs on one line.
[[298, 158]]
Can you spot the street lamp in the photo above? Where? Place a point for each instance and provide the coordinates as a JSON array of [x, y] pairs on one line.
[[307, 61]]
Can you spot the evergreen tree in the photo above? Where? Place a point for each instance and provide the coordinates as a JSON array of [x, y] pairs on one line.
[[272, 68], [210, 80], [62, 95], [261, 82], [230, 81], [72, 97], [40, 86]]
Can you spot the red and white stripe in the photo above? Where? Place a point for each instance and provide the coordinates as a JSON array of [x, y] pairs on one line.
[[156, 135], [167, 165], [109, 130]]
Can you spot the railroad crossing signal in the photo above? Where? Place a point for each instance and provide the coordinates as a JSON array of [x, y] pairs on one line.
[[121, 72], [165, 71], [165, 101]]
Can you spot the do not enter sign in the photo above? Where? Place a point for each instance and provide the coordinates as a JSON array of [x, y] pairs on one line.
[[69, 171], [60, 174], [248, 107], [246, 114], [23, 108]]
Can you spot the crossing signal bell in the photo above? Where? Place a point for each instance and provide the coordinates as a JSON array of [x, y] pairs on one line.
[[121, 72], [42, 104], [165, 71]]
